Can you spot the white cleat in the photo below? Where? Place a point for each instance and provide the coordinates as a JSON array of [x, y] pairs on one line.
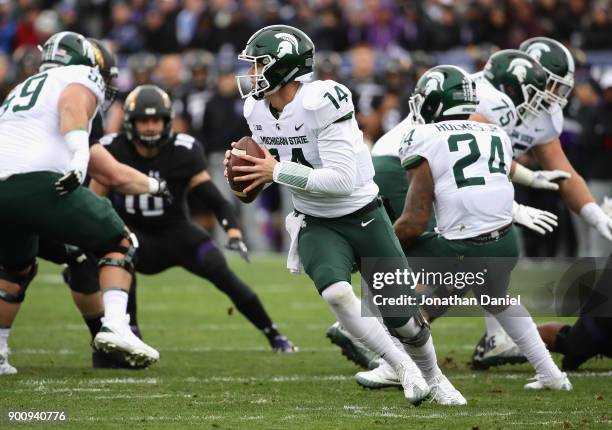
[[444, 393], [5, 367], [415, 387], [496, 349], [116, 336], [383, 376], [561, 384]]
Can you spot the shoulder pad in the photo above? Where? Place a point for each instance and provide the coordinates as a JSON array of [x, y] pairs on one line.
[[108, 139], [185, 140], [326, 102], [247, 109], [413, 145]]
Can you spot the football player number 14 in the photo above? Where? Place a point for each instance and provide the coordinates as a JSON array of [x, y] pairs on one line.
[[496, 159]]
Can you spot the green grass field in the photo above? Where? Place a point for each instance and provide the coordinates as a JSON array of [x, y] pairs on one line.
[[217, 372]]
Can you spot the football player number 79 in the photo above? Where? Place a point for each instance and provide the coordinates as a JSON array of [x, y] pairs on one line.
[[28, 96]]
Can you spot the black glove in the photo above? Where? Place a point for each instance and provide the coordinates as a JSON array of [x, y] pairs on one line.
[[68, 183], [163, 191], [237, 244]]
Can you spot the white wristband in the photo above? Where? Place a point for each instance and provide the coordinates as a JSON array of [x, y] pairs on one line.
[[153, 185], [593, 214], [78, 143], [522, 175]]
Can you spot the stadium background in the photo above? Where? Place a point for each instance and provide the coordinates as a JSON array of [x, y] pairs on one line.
[[378, 48]]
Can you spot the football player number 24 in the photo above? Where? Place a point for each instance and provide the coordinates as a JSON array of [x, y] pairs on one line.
[[496, 159]]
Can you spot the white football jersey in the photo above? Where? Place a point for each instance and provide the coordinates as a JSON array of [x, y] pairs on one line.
[[499, 109], [469, 162], [539, 131], [294, 137], [389, 143], [30, 136], [494, 105]]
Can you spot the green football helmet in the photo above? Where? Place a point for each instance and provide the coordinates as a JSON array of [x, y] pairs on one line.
[[443, 93], [521, 78], [67, 49], [558, 63], [278, 54]]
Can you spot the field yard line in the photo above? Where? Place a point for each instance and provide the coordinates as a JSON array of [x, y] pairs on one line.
[[276, 379], [178, 418]]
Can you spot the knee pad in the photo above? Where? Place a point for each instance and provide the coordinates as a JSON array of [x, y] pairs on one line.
[[339, 294], [12, 275], [81, 275], [422, 335], [127, 262]]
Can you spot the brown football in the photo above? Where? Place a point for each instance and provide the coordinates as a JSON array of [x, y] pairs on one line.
[[548, 333], [247, 146]]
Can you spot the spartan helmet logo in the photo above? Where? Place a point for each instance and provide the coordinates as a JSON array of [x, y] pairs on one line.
[[535, 50], [518, 67], [287, 44], [434, 82]]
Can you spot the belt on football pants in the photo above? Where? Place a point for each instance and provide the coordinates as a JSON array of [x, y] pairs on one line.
[[492, 235], [374, 204]]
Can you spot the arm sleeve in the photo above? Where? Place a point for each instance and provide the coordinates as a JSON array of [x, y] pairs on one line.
[[337, 177], [210, 195]]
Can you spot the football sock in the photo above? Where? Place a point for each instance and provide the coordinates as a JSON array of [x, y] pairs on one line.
[[254, 311], [271, 332], [347, 309], [424, 355], [94, 323], [131, 304], [115, 303], [492, 324], [4, 335], [517, 322]]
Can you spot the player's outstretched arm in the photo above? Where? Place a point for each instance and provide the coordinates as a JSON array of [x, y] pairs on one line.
[[542, 179], [417, 209], [574, 190], [202, 188], [76, 106], [107, 171]]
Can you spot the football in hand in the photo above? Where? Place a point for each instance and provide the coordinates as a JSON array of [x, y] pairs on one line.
[[247, 146]]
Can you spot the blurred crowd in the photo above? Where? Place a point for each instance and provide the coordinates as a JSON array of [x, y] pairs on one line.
[[378, 48]]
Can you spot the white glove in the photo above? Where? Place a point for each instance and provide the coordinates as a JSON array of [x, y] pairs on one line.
[[594, 215], [542, 179], [534, 219]]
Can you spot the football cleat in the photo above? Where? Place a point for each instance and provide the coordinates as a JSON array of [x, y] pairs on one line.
[[352, 349], [112, 360], [116, 336], [5, 367], [281, 344], [495, 350], [415, 387], [561, 384], [381, 377], [443, 392]]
